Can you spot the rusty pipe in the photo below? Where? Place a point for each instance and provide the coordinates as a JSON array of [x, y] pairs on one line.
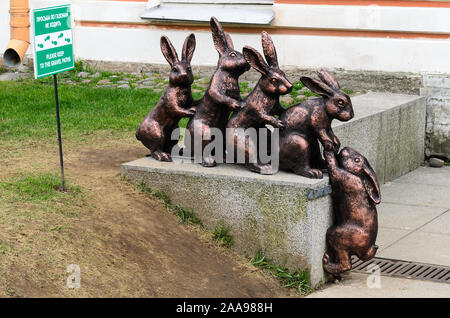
[[20, 32]]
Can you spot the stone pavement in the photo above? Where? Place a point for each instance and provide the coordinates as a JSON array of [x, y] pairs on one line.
[[414, 225], [354, 285]]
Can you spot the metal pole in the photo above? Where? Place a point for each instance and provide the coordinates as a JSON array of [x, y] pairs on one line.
[[61, 161]]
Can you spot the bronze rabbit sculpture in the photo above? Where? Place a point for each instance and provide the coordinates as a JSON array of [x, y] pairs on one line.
[[222, 95], [258, 107], [176, 102], [310, 121], [355, 192]]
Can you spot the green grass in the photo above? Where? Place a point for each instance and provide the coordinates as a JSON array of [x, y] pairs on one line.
[[348, 91], [222, 235], [28, 191], [298, 279], [78, 66], [38, 187], [184, 216], [447, 163], [244, 88], [28, 110]]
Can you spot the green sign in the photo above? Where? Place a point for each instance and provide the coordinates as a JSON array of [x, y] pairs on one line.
[[53, 46]]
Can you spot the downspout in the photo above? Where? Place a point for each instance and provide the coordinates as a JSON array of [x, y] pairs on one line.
[[20, 32]]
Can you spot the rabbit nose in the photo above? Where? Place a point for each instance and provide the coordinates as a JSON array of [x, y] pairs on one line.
[[344, 151]]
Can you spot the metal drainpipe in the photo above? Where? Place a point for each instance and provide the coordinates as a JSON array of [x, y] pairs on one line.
[[20, 32]]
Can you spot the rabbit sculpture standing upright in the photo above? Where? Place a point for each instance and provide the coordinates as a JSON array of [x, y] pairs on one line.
[[260, 105], [222, 95], [176, 102], [310, 121], [355, 192]]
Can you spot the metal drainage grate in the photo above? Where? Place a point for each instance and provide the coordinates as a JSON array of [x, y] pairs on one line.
[[405, 269]]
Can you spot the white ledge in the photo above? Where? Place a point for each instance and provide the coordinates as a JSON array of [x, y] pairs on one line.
[[242, 14]]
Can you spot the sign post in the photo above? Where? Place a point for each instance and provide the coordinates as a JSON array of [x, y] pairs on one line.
[[53, 53]]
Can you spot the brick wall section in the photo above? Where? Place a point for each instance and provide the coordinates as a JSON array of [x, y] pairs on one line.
[[437, 90]]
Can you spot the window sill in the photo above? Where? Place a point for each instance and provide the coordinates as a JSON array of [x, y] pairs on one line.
[[236, 14]]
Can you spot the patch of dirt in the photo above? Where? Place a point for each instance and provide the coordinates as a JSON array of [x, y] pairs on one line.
[[128, 245]]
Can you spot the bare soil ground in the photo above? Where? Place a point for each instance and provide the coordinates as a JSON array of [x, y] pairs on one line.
[[125, 242]]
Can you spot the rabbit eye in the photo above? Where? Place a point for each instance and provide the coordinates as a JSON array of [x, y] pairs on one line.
[[273, 80], [357, 160], [340, 102], [174, 69], [232, 54]]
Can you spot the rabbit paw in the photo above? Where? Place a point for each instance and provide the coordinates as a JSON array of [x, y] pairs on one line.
[[208, 162], [236, 105], [328, 154], [309, 173], [336, 144], [329, 146], [192, 111], [261, 169], [326, 258], [161, 156], [280, 124]]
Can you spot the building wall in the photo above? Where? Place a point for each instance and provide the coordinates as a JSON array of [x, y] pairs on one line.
[[354, 35], [437, 89], [371, 35], [392, 36]]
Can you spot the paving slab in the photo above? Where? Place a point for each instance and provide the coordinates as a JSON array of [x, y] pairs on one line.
[[440, 225], [423, 247], [406, 217], [427, 175], [416, 194], [386, 237], [355, 285]]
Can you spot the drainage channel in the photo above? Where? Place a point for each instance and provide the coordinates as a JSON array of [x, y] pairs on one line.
[[405, 269]]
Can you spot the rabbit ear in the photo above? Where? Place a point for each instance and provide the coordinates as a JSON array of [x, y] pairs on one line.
[[168, 50], [317, 87], [269, 49], [229, 41], [188, 48], [328, 78], [219, 38], [370, 183], [255, 60]]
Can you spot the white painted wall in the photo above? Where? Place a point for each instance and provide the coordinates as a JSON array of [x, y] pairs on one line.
[[367, 18], [352, 53], [4, 25], [339, 17]]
